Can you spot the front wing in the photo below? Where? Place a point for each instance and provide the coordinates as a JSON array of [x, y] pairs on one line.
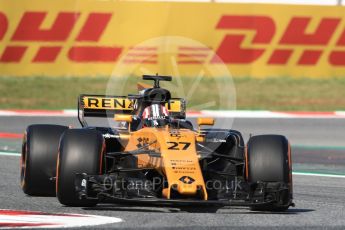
[[97, 187]]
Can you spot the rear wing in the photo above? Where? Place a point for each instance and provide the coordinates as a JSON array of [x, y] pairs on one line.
[[108, 106]]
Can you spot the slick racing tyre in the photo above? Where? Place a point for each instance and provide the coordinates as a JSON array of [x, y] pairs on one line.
[[269, 160], [38, 159], [81, 151]]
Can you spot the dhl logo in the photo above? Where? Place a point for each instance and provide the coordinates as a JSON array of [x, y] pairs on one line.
[[233, 48], [295, 34], [29, 30]]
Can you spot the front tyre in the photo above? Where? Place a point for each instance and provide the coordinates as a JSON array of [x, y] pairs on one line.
[[81, 151], [269, 160]]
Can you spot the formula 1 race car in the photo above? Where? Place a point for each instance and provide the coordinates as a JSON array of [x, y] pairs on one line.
[[154, 156]]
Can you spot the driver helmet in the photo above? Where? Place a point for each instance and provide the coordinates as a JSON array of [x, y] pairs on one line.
[[155, 115]]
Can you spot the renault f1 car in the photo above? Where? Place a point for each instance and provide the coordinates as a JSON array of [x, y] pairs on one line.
[[154, 156]]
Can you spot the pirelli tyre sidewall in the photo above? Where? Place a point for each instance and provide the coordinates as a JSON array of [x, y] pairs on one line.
[[38, 159], [268, 159], [81, 151]]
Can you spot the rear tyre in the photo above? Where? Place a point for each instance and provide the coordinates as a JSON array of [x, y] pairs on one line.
[[81, 151], [38, 159], [269, 160]]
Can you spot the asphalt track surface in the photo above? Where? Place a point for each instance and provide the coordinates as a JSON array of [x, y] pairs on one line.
[[320, 201]]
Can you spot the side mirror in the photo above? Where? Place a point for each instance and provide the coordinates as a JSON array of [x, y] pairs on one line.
[[205, 121], [123, 117]]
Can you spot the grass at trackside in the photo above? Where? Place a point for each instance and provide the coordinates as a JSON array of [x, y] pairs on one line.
[[284, 94], [291, 94], [45, 93]]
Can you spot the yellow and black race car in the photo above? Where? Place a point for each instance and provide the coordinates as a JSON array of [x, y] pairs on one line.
[[154, 156]]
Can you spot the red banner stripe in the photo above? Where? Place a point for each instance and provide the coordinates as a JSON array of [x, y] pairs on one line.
[[11, 135]]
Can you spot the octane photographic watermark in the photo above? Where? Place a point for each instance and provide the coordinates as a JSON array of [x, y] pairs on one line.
[[135, 184], [199, 75]]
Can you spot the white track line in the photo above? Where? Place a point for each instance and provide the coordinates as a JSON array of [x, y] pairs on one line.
[[34, 219], [269, 114], [9, 154], [318, 174]]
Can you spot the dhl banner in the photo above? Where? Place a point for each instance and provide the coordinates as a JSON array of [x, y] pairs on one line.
[[90, 37]]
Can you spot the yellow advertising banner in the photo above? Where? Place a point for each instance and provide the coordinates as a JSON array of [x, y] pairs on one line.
[[92, 38]]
